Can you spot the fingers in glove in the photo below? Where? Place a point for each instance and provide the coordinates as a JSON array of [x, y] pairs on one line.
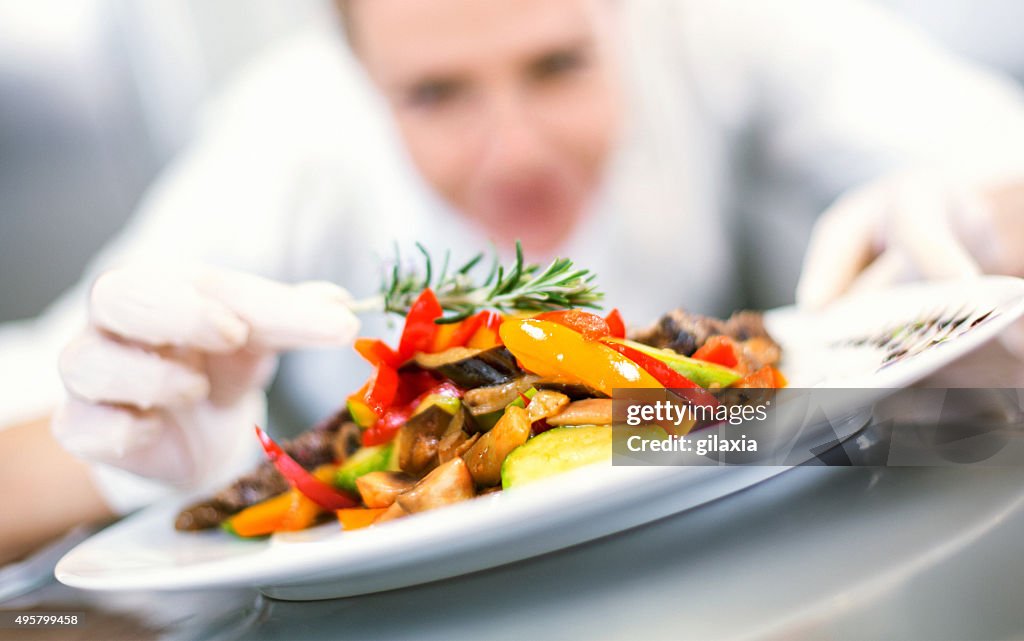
[[147, 443], [843, 242], [923, 229], [234, 375], [100, 369], [159, 308], [891, 267], [281, 317]]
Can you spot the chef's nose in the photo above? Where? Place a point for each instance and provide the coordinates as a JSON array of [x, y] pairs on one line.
[[514, 141]]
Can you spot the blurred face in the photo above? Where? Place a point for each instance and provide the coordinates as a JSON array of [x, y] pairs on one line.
[[508, 107]]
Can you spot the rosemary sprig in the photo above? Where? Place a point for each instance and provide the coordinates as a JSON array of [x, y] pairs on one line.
[[522, 287]]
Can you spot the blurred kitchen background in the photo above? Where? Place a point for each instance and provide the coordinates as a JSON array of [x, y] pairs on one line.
[[97, 95]]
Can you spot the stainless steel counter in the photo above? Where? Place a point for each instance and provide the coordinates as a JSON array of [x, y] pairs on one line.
[[838, 553]]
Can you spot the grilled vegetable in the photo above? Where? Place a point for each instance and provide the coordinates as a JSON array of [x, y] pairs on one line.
[[707, 375], [494, 398], [366, 460], [317, 490], [556, 451], [356, 518], [394, 512], [420, 328], [379, 489], [485, 457], [286, 512], [592, 411], [574, 390], [416, 443], [545, 404], [552, 350], [765, 378], [454, 444], [261, 519], [448, 483], [470, 368]]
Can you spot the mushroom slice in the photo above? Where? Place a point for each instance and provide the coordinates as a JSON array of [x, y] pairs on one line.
[[546, 403], [417, 440], [394, 512], [454, 444], [379, 489], [446, 484], [592, 411], [484, 459], [484, 400]]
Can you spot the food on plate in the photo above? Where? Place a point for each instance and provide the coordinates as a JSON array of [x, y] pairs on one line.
[[490, 387]]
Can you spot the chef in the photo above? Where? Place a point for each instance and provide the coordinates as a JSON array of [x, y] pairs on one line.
[[680, 149]]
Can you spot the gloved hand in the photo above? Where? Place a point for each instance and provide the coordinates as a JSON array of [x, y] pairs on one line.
[[169, 377], [915, 226]]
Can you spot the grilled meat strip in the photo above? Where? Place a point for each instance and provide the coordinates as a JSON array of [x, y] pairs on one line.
[[685, 332], [327, 441]]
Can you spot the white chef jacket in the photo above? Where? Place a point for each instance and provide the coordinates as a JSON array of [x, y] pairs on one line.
[[744, 116]]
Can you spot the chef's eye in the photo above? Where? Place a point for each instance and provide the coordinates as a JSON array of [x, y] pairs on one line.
[[434, 93], [559, 63]]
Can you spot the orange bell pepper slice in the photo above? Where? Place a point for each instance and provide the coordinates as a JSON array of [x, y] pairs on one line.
[[355, 518], [304, 510], [286, 512], [765, 378], [443, 337], [261, 519]]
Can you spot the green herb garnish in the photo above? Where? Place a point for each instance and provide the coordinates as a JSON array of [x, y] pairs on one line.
[[520, 288]]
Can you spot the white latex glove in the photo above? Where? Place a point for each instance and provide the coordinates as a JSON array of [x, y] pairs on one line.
[[169, 377], [910, 227]]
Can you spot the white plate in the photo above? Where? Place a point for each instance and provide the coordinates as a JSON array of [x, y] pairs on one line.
[[822, 350]]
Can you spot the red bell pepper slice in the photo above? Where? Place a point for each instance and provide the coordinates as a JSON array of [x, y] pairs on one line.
[[659, 370], [376, 351], [616, 326], [665, 375], [447, 388], [591, 326], [381, 389], [313, 488], [388, 425], [420, 328], [720, 350]]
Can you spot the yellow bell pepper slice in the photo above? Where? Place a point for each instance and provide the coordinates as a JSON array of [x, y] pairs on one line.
[[552, 350]]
